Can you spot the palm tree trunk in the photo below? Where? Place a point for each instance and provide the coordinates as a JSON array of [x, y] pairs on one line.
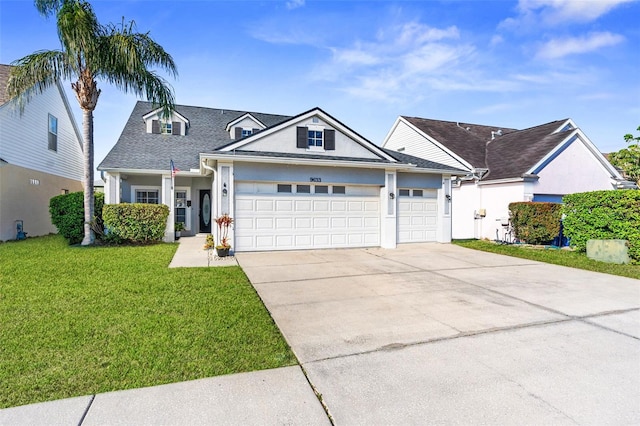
[[87, 145]]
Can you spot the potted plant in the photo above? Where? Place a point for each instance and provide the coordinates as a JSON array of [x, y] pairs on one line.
[[223, 222], [178, 227], [209, 243]]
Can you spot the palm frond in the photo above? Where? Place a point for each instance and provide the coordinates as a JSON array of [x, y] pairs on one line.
[[48, 7], [36, 72], [79, 31]]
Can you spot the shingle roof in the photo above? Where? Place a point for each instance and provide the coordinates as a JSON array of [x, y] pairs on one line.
[[419, 162], [4, 78], [137, 149], [510, 155]]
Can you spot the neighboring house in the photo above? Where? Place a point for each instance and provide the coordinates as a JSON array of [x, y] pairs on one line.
[[542, 163], [300, 182], [40, 157]]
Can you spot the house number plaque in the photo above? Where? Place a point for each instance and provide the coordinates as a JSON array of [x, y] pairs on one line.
[[315, 179]]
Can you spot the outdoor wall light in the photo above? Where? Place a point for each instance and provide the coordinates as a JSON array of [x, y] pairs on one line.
[[224, 190]]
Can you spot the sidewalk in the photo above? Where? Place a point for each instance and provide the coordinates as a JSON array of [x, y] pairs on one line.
[[191, 254], [277, 396]]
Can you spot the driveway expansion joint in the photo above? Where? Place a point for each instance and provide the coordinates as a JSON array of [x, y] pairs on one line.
[[86, 411]]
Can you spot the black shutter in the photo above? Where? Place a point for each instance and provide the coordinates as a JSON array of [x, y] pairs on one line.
[[155, 127], [175, 127], [254, 131], [329, 140], [238, 132], [302, 137]]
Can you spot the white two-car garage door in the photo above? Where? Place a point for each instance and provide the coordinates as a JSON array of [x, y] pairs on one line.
[[417, 215], [273, 216]]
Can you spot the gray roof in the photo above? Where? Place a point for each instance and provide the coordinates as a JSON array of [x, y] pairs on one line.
[[510, 155], [137, 149]]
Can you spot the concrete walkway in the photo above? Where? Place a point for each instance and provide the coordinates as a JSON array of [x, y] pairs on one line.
[[191, 254], [424, 334]]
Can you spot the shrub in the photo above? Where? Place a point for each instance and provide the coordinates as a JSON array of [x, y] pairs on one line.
[[137, 223], [603, 215], [535, 223], [67, 214]]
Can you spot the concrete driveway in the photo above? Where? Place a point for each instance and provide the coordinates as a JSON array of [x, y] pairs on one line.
[[435, 333]]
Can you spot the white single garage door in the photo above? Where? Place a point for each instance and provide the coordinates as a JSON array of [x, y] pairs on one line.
[[417, 215], [293, 216]]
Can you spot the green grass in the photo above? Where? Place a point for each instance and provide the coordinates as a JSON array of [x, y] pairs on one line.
[[78, 321], [555, 256]]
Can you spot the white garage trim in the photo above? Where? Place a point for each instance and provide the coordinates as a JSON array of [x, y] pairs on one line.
[[417, 215], [290, 221]]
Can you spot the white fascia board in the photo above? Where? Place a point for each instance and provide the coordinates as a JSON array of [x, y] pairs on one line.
[[329, 162], [598, 155], [190, 173], [439, 145], [564, 124], [247, 115], [72, 117], [157, 110], [314, 112], [507, 180]]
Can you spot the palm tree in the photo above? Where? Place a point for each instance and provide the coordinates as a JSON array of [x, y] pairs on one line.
[[116, 54]]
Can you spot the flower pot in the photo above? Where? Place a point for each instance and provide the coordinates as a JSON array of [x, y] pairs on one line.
[[178, 234], [222, 252]]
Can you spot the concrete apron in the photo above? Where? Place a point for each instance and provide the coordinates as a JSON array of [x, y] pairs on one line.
[[434, 333]]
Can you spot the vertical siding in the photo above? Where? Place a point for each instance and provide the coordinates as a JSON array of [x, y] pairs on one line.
[[24, 137], [417, 145]]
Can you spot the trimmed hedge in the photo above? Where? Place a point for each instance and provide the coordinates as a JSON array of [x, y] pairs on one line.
[[535, 223], [603, 215], [137, 222], [67, 214]]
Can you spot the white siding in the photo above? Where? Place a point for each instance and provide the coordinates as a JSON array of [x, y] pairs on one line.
[[574, 170], [24, 137], [414, 143]]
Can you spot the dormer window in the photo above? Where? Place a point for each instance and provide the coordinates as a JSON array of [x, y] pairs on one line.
[[166, 128], [246, 132], [158, 124], [314, 138]]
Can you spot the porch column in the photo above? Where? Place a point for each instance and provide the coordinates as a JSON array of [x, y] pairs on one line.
[[388, 211], [112, 188], [443, 232], [168, 199]]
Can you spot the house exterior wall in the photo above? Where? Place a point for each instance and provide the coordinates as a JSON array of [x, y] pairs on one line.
[[468, 201], [574, 170], [414, 143], [296, 173], [24, 137], [25, 195], [284, 141]]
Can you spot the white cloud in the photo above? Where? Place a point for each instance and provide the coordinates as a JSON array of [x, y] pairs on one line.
[[533, 13], [294, 4], [558, 48]]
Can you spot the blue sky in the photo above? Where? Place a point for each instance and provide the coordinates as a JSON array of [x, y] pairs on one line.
[[503, 63]]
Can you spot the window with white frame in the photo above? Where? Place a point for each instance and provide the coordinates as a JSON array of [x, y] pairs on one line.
[[53, 133], [166, 128], [147, 196], [247, 132], [314, 138]]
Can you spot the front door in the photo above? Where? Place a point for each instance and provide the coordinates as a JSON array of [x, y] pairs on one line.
[[205, 211]]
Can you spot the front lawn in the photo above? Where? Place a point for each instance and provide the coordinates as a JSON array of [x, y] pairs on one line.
[[555, 256], [78, 321]]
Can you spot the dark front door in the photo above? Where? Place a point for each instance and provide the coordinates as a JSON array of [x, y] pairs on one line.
[[205, 211]]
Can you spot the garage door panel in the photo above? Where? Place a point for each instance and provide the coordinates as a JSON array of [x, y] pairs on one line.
[[296, 221], [417, 219]]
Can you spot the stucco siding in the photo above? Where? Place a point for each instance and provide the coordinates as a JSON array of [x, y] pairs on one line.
[[574, 170], [24, 137], [414, 143], [285, 141], [25, 195], [293, 173]]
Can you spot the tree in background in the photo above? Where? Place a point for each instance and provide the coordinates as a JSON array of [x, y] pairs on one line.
[[116, 54], [628, 159]]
